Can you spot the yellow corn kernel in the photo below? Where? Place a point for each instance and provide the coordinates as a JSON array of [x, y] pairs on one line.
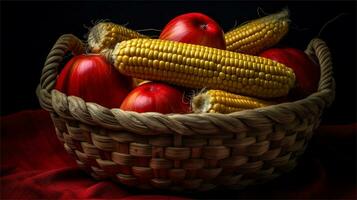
[[218, 101], [245, 74], [259, 34], [106, 35]]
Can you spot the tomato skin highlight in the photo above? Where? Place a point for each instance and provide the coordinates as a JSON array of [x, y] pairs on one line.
[[156, 97], [194, 28], [93, 79]]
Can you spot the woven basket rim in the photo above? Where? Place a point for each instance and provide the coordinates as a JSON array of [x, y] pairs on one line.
[[151, 123]]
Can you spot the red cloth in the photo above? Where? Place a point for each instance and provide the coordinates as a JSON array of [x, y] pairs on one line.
[[34, 165]]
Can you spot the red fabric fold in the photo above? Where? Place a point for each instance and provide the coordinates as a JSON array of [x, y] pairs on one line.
[[34, 165]]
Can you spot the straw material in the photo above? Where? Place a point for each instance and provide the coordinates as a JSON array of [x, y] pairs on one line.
[[184, 151]]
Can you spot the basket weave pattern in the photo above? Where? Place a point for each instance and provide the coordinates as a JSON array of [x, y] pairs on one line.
[[184, 151]]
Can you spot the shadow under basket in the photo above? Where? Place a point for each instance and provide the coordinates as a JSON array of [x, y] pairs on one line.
[[184, 151]]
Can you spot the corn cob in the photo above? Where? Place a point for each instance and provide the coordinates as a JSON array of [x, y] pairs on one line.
[[259, 34], [218, 101], [106, 35], [198, 66]]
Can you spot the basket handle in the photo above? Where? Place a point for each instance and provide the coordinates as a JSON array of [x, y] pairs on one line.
[[65, 43], [318, 50]]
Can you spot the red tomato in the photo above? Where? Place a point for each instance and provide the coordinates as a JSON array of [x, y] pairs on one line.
[[156, 97], [195, 28], [306, 71], [93, 79]]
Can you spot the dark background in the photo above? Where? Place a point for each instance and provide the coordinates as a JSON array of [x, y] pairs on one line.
[[29, 29]]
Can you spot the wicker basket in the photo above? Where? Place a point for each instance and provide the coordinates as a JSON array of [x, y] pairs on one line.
[[184, 151]]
